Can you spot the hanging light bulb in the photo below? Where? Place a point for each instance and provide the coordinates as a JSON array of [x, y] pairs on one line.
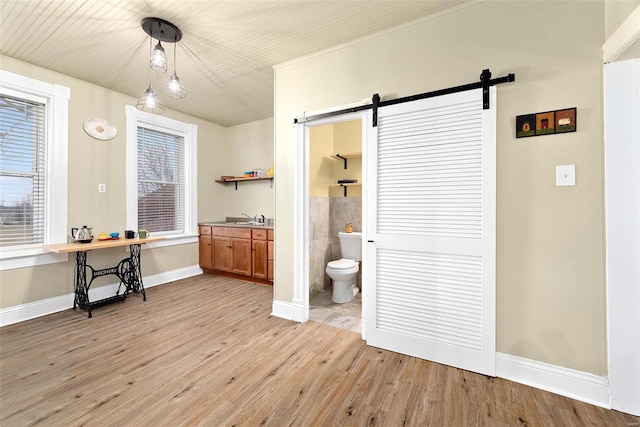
[[174, 87], [158, 59], [149, 102]]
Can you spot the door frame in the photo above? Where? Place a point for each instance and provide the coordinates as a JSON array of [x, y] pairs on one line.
[[301, 238], [622, 202]]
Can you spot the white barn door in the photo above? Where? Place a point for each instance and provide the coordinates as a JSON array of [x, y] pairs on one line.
[[431, 230]]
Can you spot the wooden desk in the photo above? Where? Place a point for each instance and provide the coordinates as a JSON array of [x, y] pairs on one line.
[[127, 270]]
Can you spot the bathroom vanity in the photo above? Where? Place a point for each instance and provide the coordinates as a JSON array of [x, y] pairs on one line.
[[242, 251]]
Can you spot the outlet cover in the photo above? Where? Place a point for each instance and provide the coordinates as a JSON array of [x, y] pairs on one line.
[[102, 188], [565, 175]]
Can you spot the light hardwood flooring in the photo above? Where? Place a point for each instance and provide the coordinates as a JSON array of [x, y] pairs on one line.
[[205, 351]]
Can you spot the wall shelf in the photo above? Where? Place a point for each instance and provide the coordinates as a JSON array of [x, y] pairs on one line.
[[345, 186], [237, 180], [345, 156]]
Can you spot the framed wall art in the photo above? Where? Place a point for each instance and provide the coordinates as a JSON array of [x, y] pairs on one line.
[[546, 123]]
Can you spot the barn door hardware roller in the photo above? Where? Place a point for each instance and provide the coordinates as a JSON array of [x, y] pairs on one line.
[[485, 83]]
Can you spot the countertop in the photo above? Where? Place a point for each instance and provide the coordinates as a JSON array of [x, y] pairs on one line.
[[237, 224]]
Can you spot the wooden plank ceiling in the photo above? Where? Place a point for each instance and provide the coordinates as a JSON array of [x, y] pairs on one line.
[[226, 55]]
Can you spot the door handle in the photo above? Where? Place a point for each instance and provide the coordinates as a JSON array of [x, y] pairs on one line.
[[370, 241]]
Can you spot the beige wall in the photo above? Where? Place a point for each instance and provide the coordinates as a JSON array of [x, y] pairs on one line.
[[320, 164], [347, 139], [92, 162], [248, 146], [324, 170], [550, 249]]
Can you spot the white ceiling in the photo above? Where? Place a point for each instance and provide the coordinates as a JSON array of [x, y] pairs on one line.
[[226, 55]]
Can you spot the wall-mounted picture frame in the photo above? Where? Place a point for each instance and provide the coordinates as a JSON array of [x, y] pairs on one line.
[[566, 120], [547, 123], [526, 125]]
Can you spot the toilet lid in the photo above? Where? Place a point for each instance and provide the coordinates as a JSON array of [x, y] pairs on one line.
[[341, 264]]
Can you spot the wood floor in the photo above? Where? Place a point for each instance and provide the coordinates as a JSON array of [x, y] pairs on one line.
[[205, 351]]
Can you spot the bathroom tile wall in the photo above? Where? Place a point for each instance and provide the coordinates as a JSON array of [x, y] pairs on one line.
[[342, 211], [320, 249], [328, 216]]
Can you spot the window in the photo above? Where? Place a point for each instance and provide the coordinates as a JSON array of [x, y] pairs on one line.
[[21, 171], [161, 176], [33, 170], [160, 181]]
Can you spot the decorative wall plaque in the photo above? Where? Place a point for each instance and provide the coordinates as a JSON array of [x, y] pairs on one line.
[[546, 123]]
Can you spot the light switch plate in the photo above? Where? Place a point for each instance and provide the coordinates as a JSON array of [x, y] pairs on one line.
[[565, 175], [102, 188]]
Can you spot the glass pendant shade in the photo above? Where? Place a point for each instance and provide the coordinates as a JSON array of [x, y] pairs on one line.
[[174, 88], [158, 59], [149, 103]]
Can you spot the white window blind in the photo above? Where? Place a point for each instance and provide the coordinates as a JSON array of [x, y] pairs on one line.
[[22, 172], [161, 194]]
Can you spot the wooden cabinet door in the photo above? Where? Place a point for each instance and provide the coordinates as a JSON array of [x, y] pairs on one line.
[[241, 257], [270, 260], [259, 253], [222, 251], [205, 252]]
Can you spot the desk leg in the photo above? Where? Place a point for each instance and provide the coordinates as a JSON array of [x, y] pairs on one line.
[[81, 298], [135, 284]]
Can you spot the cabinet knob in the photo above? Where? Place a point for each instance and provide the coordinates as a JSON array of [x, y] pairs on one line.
[[230, 247]]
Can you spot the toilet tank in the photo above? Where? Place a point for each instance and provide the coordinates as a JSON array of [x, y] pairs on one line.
[[351, 245]]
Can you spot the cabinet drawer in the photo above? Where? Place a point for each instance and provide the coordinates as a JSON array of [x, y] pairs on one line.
[[258, 234], [242, 233], [205, 230], [270, 234]]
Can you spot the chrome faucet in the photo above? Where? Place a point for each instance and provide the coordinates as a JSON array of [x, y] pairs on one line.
[[250, 218]]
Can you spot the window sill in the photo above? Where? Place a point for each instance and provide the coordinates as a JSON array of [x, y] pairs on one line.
[[32, 257], [172, 240]]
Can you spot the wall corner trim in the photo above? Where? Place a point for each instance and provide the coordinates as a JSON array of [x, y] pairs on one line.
[[22, 312], [623, 37], [583, 386]]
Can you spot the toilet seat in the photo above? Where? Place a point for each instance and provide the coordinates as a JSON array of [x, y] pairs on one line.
[[342, 264]]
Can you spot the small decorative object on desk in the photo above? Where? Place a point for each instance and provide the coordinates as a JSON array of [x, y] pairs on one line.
[[82, 235]]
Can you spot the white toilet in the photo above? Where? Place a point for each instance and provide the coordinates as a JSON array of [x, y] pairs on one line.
[[344, 271]]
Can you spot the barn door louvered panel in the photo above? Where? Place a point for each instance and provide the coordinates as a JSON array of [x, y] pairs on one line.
[[432, 226]]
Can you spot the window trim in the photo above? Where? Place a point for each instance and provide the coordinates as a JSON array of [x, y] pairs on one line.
[[189, 132], [56, 98]]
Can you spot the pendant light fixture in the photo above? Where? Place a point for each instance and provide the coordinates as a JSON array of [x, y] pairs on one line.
[[174, 87], [163, 31], [158, 59], [149, 102]]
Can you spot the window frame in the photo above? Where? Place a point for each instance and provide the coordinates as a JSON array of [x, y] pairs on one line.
[[189, 132], [56, 99]]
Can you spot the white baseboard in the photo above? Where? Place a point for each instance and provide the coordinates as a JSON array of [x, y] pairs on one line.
[[22, 312], [282, 309], [567, 382], [300, 314]]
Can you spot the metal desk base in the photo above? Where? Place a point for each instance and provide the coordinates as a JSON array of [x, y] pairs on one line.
[[127, 270]]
